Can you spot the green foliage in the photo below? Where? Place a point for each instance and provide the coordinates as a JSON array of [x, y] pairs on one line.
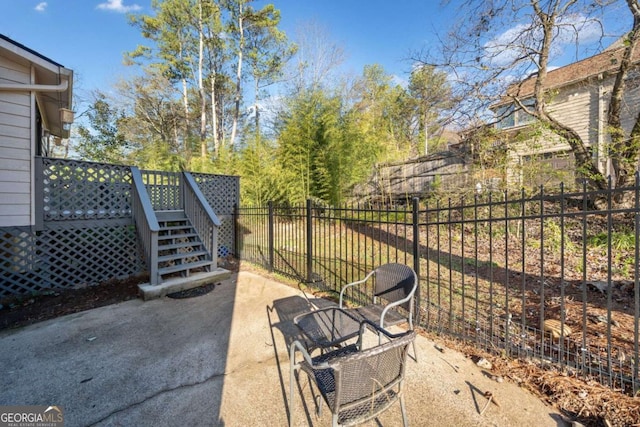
[[321, 151], [101, 140], [185, 105], [430, 95], [620, 240], [157, 155], [261, 175]]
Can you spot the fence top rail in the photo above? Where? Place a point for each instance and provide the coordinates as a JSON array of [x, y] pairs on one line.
[[494, 198]]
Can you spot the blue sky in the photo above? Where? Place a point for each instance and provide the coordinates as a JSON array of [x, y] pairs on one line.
[[90, 36]]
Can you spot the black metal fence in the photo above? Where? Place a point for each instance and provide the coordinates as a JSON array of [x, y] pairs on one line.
[[551, 277]]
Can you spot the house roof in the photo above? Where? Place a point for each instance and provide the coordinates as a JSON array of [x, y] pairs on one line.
[[26, 49], [46, 72], [607, 61]]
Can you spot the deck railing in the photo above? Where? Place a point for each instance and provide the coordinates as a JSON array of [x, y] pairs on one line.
[[146, 224], [165, 189], [202, 217]]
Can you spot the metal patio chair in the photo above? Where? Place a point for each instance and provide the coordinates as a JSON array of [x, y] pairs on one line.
[[357, 384], [390, 299]]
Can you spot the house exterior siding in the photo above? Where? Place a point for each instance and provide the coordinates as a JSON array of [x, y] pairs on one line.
[[577, 107], [17, 112], [579, 95], [631, 102]]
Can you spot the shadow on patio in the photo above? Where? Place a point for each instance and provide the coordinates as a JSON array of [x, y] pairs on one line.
[[221, 359]]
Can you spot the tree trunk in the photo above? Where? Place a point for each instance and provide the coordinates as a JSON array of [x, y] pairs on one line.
[[583, 160], [203, 99], [624, 153], [187, 122], [236, 112], [214, 115], [257, 108]]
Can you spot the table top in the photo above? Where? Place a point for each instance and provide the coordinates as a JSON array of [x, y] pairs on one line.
[[328, 327]]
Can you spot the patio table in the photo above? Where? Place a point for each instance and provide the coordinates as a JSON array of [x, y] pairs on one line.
[[327, 327]]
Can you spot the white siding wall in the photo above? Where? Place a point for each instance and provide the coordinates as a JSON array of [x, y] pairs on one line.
[[631, 104], [577, 107], [15, 146]]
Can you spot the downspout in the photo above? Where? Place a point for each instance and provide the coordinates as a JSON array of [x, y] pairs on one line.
[[18, 87]]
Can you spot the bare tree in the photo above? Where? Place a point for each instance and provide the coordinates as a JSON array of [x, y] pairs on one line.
[[625, 151], [503, 54], [316, 59]]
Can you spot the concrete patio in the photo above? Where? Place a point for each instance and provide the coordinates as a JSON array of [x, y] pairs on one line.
[[221, 360]]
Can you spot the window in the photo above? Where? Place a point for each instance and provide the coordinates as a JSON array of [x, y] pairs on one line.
[[509, 117], [548, 169], [505, 116], [523, 117]]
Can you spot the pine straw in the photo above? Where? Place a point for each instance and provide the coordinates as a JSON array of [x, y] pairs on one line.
[[585, 401]]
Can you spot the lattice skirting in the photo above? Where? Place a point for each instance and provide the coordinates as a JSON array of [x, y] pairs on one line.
[[226, 239], [66, 257]]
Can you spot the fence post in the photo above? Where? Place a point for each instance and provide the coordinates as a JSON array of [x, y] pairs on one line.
[[416, 235], [236, 233], [416, 252], [309, 243], [270, 232], [39, 193], [636, 285]]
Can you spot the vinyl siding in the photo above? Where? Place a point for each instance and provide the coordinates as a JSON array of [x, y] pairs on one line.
[[577, 107], [15, 147], [631, 101]]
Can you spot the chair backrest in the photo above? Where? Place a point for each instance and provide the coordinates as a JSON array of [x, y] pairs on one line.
[[369, 381], [395, 282]]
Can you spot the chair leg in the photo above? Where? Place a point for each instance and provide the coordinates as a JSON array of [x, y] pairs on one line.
[[318, 400], [291, 386], [415, 353], [405, 422], [413, 344]]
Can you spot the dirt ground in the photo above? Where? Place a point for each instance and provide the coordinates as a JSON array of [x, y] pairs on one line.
[[587, 403]]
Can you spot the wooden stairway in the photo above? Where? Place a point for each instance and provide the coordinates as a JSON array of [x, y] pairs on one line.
[[180, 250]]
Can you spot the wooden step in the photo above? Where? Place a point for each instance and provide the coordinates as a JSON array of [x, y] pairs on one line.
[[177, 236], [182, 255], [167, 224], [168, 216], [183, 267], [176, 227], [171, 246]]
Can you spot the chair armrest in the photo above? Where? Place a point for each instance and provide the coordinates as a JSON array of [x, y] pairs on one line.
[[397, 303], [297, 345], [353, 284], [390, 306], [379, 330]]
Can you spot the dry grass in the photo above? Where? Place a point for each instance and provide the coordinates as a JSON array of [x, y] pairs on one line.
[[585, 401]]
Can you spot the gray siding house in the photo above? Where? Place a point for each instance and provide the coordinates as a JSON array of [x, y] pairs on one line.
[[35, 98], [579, 98]]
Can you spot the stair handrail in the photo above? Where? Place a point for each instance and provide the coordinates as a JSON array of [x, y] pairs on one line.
[[146, 223], [201, 215]]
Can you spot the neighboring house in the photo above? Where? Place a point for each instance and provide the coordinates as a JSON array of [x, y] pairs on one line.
[[579, 95], [35, 98]]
